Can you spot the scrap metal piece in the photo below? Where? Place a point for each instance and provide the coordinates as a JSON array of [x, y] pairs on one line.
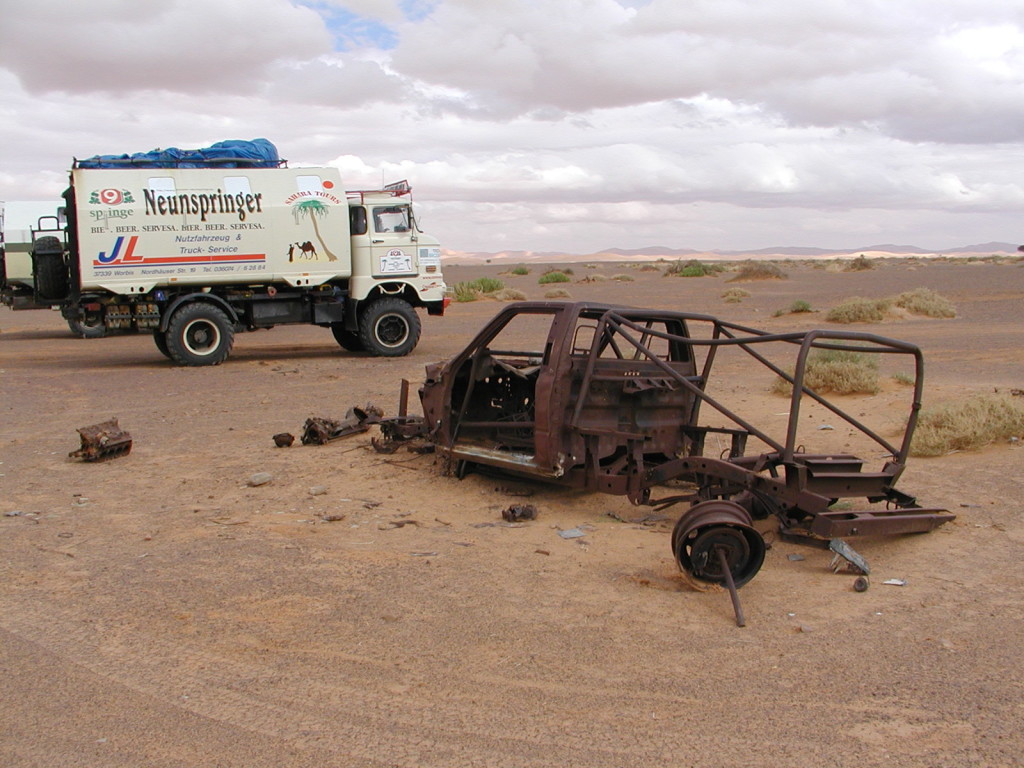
[[723, 562], [385, 445], [102, 441], [855, 563], [403, 428], [284, 439], [319, 430], [519, 512]]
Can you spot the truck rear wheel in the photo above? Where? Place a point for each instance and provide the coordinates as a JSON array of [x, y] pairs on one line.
[[89, 327], [199, 334], [389, 327], [347, 339]]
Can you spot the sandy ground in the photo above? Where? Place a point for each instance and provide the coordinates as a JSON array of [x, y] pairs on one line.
[[155, 610]]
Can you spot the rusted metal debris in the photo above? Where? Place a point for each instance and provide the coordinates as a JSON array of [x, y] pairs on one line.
[[616, 399], [284, 439], [319, 430], [102, 441], [518, 512]]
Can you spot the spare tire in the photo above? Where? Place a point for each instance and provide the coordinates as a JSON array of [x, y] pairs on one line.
[[51, 271]]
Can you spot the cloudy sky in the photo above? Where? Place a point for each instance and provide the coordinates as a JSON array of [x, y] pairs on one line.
[[562, 125]]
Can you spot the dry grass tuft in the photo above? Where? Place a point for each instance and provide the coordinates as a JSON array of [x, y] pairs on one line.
[[508, 294], [692, 268], [476, 289], [841, 372], [859, 264], [967, 424], [924, 301], [798, 307], [555, 276], [736, 295], [858, 310], [758, 270], [557, 293], [921, 301]]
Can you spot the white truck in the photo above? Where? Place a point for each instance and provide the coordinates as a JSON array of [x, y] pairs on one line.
[[198, 254]]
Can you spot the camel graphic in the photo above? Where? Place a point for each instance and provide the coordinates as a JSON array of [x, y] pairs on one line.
[[306, 250], [313, 210]]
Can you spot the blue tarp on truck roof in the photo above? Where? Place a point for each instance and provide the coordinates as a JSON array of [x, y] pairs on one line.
[[258, 153]]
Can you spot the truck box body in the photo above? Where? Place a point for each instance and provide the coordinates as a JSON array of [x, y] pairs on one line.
[[138, 229], [143, 228]]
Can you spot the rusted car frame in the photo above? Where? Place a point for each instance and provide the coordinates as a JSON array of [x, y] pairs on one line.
[[615, 399]]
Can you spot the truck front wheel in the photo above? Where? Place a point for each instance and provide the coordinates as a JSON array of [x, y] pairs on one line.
[[199, 334], [389, 327]]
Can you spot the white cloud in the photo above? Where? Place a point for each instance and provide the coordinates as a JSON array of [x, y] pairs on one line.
[[570, 125], [188, 46]]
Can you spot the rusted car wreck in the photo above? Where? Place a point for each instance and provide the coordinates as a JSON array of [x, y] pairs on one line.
[[616, 399]]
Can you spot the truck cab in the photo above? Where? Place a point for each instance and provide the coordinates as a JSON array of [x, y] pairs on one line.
[[389, 251]]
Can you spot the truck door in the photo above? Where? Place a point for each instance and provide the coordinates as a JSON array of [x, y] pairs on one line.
[[392, 240]]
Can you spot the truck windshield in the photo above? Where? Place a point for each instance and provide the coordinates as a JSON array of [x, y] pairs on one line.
[[393, 218]]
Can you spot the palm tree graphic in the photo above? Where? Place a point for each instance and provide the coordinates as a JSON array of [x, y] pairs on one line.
[[314, 209]]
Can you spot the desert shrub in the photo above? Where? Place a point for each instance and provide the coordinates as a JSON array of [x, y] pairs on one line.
[[623, 278], [735, 295], [841, 371], [474, 289], [924, 301], [859, 264], [555, 276], [966, 424], [595, 278], [557, 293], [758, 270], [509, 294], [692, 268], [465, 292], [858, 310], [796, 308], [650, 268], [903, 378], [488, 284], [519, 270]]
